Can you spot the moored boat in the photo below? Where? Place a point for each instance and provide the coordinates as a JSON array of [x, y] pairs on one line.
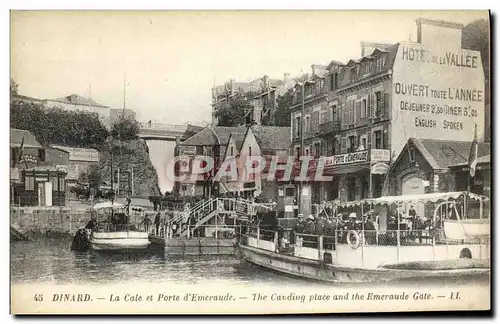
[[379, 248], [113, 233]]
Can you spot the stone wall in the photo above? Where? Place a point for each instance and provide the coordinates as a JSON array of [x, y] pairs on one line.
[[36, 221]]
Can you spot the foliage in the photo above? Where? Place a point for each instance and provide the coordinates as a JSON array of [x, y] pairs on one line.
[[282, 115], [233, 114], [475, 36], [57, 126], [125, 129], [94, 176], [13, 87]]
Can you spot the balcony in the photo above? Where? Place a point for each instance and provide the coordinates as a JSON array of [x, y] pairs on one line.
[[329, 127]]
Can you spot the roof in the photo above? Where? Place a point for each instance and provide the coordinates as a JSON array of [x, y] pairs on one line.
[[16, 137], [79, 154], [78, 100], [238, 138], [485, 159], [21, 97], [442, 154], [272, 137], [210, 136], [345, 77]]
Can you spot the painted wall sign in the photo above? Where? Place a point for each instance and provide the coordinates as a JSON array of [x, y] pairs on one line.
[[437, 93], [348, 158], [187, 150], [378, 155]]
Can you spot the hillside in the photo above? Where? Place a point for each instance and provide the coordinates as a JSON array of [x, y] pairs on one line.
[[134, 155]]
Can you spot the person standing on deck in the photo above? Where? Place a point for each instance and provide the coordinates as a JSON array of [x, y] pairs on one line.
[[157, 223], [147, 222]]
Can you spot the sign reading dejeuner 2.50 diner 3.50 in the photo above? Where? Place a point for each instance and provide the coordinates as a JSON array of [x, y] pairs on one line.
[[437, 94]]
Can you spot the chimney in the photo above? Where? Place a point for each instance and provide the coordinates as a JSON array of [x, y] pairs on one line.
[[439, 33]]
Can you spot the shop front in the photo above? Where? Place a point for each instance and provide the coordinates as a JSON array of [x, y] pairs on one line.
[[42, 187]]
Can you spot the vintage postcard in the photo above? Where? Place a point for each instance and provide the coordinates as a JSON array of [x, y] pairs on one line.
[[249, 162]]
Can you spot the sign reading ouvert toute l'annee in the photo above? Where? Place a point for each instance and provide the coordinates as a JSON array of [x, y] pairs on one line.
[[437, 93]]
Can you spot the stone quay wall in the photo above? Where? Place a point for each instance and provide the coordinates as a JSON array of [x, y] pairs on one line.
[[42, 221]]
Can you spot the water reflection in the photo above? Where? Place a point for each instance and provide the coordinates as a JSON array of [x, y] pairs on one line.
[[51, 260]]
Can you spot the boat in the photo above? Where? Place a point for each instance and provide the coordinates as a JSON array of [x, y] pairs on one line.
[[385, 246], [112, 233]]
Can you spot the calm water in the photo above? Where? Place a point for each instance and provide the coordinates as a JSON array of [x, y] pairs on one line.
[[52, 261]]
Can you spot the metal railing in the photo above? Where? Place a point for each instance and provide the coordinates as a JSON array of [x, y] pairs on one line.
[[355, 247], [221, 231]]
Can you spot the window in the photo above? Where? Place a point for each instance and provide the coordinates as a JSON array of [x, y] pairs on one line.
[[290, 192], [307, 124], [297, 126], [297, 152], [61, 184], [378, 104], [333, 81], [232, 151], [412, 155], [249, 151], [41, 155], [29, 183], [352, 143], [306, 151], [364, 109], [352, 73], [335, 150], [378, 139], [55, 183], [363, 143], [184, 188], [317, 150], [334, 113]]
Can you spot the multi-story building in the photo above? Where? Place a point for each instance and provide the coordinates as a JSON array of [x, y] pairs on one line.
[[361, 114], [76, 102], [261, 93]]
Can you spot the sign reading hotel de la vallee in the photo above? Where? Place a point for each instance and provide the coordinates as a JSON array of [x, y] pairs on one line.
[[436, 94]]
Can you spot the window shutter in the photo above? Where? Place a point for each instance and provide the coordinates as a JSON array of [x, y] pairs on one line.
[[343, 143], [386, 104], [314, 121], [344, 114], [385, 140], [358, 110], [370, 105]]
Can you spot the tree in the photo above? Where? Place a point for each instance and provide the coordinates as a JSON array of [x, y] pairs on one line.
[[282, 115], [57, 126], [125, 129], [13, 87], [476, 36], [94, 176], [233, 113]]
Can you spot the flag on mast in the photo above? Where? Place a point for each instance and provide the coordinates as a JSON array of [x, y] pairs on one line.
[[473, 154]]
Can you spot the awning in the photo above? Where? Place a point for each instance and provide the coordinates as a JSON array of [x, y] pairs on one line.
[[343, 169], [431, 197]]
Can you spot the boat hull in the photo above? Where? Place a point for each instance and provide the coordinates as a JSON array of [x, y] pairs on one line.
[[117, 241], [318, 270]]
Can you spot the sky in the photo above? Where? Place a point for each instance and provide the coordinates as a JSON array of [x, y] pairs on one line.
[[171, 59]]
